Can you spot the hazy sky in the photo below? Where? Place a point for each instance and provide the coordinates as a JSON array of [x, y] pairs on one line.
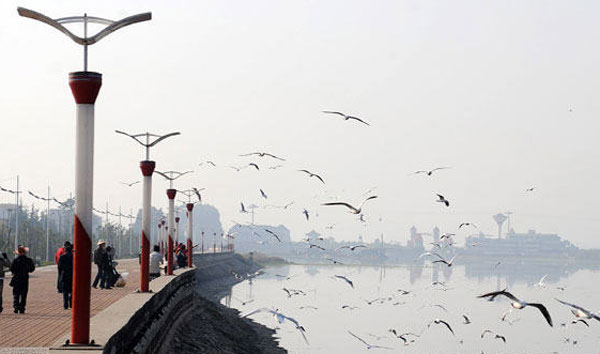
[[482, 86]]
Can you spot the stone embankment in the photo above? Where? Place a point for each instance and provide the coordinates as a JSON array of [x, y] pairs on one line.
[[186, 317]]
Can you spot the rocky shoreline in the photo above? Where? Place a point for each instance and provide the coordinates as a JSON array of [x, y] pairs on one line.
[[210, 327]]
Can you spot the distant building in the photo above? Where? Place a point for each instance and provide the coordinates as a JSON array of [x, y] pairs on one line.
[[416, 239], [521, 244]]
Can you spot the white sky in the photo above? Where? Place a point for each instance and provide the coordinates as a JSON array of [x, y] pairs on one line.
[[482, 86]]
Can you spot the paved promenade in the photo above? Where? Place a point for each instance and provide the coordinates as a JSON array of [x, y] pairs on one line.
[[45, 321]]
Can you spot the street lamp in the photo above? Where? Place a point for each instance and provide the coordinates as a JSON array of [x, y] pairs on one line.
[[190, 217], [147, 166], [85, 86], [171, 192]]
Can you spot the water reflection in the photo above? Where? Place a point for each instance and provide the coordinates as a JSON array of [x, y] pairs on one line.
[[327, 307]]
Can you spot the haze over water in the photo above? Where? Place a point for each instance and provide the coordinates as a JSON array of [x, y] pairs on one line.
[[525, 330]]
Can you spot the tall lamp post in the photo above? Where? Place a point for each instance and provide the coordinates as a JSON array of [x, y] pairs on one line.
[[85, 86], [171, 192], [147, 166], [190, 221]]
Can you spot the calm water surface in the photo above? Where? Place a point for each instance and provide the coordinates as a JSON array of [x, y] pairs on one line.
[[327, 326]]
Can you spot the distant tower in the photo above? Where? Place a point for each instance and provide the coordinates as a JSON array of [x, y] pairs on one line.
[[508, 214], [436, 234], [252, 207], [500, 219]]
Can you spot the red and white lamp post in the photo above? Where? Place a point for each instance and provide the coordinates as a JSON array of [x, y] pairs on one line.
[[171, 193], [147, 166], [85, 86]]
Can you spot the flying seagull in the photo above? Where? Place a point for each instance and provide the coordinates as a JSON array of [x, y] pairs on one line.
[[254, 165], [447, 235], [441, 199], [496, 336], [263, 154], [466, 224], [274, 234], [428, 173], [208, 162], [197, 191], [541, 283], [305, 212], [438, 321], [353, 209], [346, 117], [369, 346], [448, 263], [243, 210], [263, 194], [310, 174], [352, 248], [350, 307], [316, 246], [530, 189], [466, 319], [346, 280], [130, 184], [235, 168], [518, 304], [281, 318], [580, 312], [275, 167]]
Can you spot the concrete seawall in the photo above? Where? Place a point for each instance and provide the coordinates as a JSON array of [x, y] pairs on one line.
[[184, 316]]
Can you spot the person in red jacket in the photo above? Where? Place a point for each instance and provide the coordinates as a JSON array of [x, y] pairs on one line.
[[59, 253]]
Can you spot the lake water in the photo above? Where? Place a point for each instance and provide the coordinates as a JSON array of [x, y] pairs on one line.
[[327, 324]]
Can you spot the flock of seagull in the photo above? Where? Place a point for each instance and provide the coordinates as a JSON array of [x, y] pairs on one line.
[[581, 314]]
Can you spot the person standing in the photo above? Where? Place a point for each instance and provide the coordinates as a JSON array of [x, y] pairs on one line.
[[4, 262], [65, 269], [155, 263], [99, 254], [59, 253], [20, 268]]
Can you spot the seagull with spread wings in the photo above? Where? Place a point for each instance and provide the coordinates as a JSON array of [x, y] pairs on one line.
[[130, 184], [281, 318], [353, 209], [369, 346], [346, 280], [518, 304], [496, 336], [305, 212], [263, 154], [254, 165], [438, 321], [448, 263], [441, 199], [346, 117], [580, 312], [263, 194], [310, 174], [430, 172], [274, 234], [352, 248]]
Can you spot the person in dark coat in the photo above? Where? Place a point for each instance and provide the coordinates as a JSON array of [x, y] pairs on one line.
[[65, 268], [20, 268], [59, 253], [4, 263], [101, 261]]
